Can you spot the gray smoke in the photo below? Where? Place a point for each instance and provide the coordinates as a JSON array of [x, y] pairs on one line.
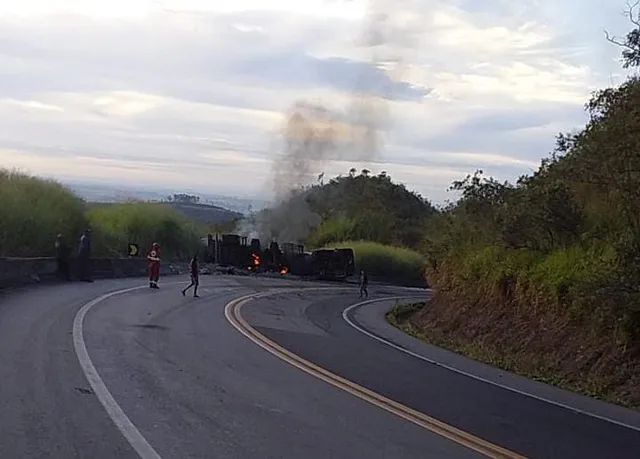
[[314, 134], [291, 220]]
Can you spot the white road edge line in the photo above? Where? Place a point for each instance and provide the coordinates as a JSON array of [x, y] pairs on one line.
[[345, 316], [115, 412]]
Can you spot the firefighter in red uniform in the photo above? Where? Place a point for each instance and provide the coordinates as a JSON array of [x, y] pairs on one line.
[[154, 265]]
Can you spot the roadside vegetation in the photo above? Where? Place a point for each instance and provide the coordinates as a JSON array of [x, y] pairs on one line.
[[386, 262], [365, 207], [542, 277], [33, 211], [544, 274], [381, 220], [115, 226]]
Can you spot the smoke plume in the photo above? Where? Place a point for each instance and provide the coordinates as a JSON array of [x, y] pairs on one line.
[[315, 134]]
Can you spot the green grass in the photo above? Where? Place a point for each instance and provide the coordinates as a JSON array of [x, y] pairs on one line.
[[332, 229], [388, 262], [563, 278], [33, 211], [143, 223], [566, 270]]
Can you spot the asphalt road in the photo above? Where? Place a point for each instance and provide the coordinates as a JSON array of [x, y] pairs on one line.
[[185, 383]]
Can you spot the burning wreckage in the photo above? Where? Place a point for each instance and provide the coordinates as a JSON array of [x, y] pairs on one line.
[[234, 250]]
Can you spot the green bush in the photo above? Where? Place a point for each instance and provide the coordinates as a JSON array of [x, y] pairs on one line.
[[371, 208], [33, 211], [115, 226], [387, 262], [574, 268], [332, 230], [572, 278]]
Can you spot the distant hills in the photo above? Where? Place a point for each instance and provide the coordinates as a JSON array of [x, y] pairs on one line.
[[204, 213], [106, 193]]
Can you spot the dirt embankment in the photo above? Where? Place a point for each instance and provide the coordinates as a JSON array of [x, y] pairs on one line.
[[544, 345]]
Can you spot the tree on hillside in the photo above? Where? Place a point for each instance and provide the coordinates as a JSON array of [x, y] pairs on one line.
[[567, 236], [369, 208], [631, 43], [183, 198], [478, 211], [541, 214], [602, 161]]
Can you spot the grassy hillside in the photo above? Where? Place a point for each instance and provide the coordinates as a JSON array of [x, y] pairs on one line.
[[205, 214], [33, 211], [381, 220], [365, 207], [543, 276], [115, 226], [387, 262], [202, 214]]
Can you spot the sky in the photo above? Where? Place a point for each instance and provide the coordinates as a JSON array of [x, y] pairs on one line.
[[197, 94]]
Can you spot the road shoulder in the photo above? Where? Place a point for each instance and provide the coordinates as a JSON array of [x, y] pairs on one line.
[[371, 318]]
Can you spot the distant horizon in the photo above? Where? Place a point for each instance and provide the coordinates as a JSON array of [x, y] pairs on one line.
[[267, 196], [163, 193], [109, 193]]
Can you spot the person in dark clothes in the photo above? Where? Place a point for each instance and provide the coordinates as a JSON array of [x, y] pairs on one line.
[[364, 283], [154, 265], [62, 258], [84, 257], [195, 275]]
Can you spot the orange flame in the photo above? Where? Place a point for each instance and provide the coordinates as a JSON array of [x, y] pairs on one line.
[[256, 260]]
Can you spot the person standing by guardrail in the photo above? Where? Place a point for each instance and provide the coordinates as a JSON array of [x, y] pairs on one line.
[[62, 258], [154, 265], [84, 256]]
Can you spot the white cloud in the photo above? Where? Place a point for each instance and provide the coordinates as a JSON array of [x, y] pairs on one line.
[[30, 105], [520, 81], [457, 30], [126, 103], [196, 91], [96, 8], [136, 9]]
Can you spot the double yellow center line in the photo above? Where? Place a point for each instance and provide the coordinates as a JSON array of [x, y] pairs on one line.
[[232, 313]]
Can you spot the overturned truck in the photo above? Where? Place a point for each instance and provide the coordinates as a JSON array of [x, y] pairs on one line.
[[237, 251]]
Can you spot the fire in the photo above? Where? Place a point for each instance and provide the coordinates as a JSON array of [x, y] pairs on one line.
[[256, 260], [284, 270]]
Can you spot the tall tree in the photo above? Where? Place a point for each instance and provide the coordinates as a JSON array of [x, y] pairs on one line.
[[631, 43]]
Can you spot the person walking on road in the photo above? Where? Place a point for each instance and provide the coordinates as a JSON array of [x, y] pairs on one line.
[[84, 256], [195, 274], [154, 265], [62, 258], [364, 283]]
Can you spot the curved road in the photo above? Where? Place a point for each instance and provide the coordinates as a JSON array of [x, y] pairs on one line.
[[147, 373]]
